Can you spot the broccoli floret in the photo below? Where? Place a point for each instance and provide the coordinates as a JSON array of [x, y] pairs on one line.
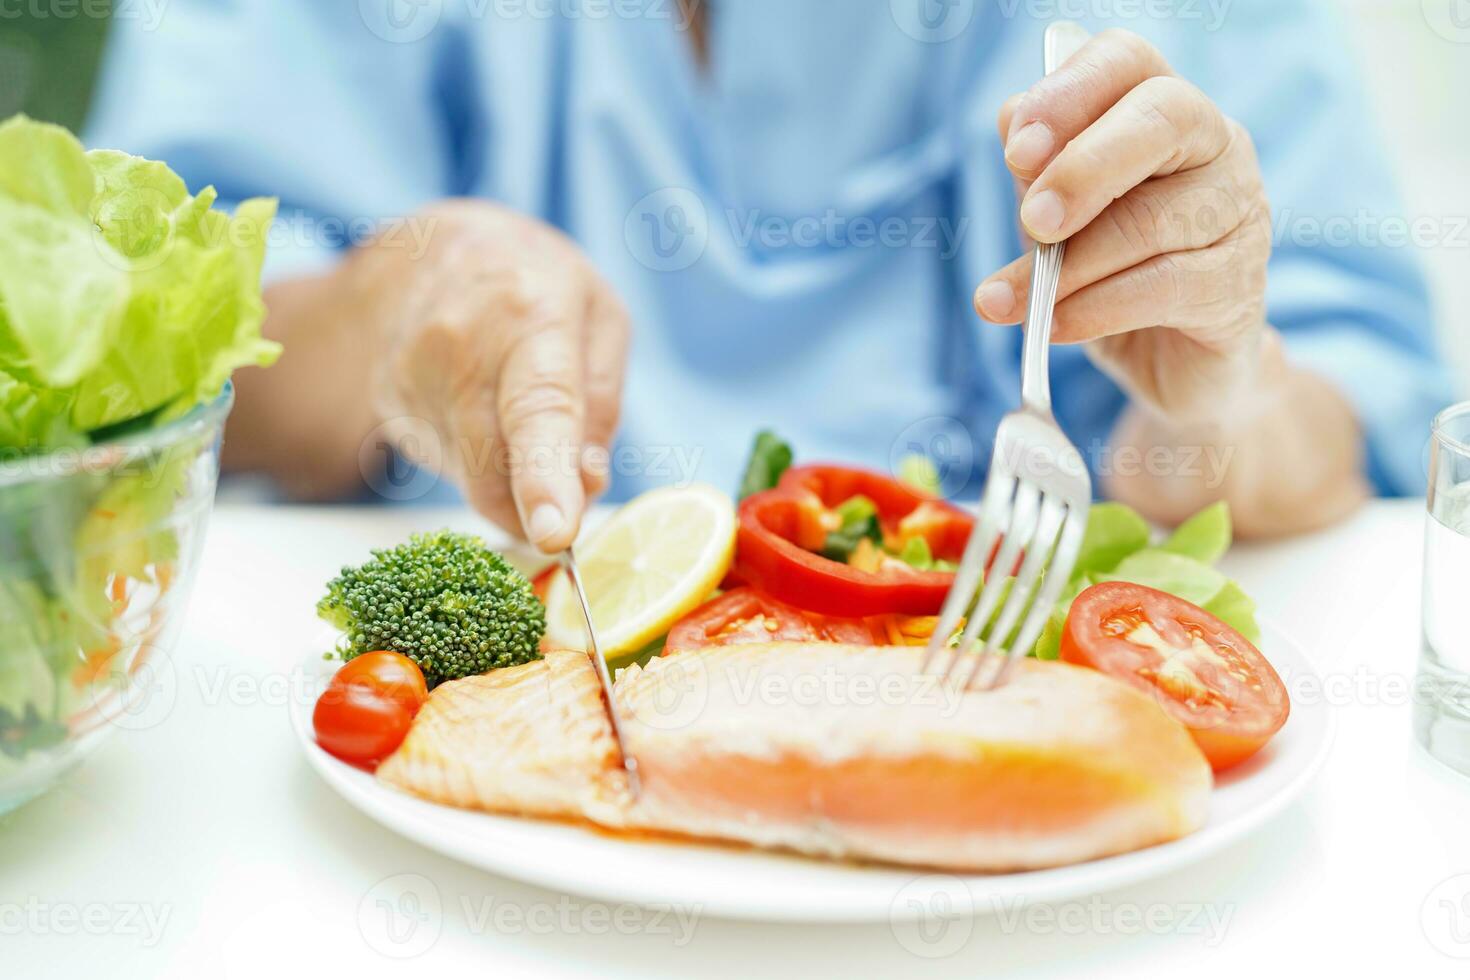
[[444, 600]]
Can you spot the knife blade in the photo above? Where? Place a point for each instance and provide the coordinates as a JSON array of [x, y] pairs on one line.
[[630, 764]]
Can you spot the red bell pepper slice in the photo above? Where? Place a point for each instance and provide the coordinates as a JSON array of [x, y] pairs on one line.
[[776, 523]]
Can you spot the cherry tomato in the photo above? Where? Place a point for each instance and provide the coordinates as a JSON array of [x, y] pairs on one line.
[[391, 674], [359, 724], [1203, 672]]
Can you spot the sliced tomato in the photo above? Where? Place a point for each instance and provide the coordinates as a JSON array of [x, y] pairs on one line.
[[1203, 672], [359, 724], [749, 616], [780, 528], [390, 674]]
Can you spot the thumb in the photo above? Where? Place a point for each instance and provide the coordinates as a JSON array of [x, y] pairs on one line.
[[541, 406]]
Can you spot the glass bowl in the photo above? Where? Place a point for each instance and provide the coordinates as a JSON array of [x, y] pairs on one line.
[[98, 548]]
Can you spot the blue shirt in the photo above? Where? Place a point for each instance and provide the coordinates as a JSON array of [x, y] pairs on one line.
[[796, 228]]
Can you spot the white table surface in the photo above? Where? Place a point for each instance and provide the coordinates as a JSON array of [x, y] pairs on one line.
[[198, 844]]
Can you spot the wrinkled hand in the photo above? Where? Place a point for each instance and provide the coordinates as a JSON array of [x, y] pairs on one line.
[[1161, 198], [509, 345]]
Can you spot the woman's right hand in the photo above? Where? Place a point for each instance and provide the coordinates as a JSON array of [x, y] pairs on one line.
[[499, 335]]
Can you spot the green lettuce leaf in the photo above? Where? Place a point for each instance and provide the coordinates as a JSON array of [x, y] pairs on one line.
[[1234, 608], [1191, 580], [44, 166], [1048, 645], [62, 290], [121, 295], [1204, 537], [32, 419], [1114, 531], [770, 457], [1116, 547]]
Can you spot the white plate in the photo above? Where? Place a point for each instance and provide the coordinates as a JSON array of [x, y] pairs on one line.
[[746, 884]]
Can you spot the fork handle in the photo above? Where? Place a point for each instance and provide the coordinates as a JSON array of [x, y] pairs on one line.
[[1062, 40], [1046, 272]]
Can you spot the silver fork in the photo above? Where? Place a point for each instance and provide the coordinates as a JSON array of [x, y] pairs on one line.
[[1037, 493]]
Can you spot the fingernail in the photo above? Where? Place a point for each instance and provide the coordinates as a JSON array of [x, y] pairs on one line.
[[1043, 213], [1031, 147], [546, 520], [995, 298]]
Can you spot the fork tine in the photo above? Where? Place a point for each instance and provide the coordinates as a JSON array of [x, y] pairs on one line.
[[1022, 526], [998, 490], [1069, 543], [1026, 582]]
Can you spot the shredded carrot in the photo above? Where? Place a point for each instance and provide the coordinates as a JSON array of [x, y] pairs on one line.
[[95, 663]]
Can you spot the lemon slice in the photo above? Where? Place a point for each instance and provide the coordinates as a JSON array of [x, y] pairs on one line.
[[652, 562]]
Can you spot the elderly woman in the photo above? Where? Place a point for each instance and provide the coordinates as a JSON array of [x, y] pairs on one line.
[[790, 206]]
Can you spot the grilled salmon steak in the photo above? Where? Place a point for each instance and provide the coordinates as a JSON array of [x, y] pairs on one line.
[[829, 750]]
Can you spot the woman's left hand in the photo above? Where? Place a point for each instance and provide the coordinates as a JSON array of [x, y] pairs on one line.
[[1160, 197]]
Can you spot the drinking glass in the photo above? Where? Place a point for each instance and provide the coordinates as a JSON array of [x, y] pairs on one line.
[[1442, 702]]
